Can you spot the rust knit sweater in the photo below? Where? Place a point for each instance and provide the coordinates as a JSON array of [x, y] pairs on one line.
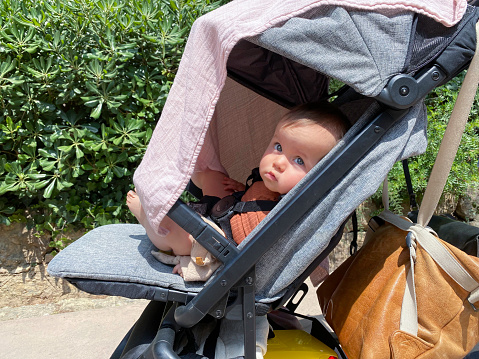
[[243, 223]]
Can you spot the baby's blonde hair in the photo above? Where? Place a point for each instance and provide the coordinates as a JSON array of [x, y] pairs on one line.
[[321, 113]]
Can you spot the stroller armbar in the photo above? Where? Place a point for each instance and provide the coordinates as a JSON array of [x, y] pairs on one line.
[[213, 241]]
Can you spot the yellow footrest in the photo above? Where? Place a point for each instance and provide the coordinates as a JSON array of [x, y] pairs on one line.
[[288, 344]]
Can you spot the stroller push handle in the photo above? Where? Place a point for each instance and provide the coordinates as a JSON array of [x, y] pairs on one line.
[[206, 235]]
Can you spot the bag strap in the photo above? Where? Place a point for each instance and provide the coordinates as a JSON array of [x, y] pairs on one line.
[[385, 194], [451, 139], [434, 189], [425, 238]]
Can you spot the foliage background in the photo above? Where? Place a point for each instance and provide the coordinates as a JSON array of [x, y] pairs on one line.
[[464, 172], [82, 83]]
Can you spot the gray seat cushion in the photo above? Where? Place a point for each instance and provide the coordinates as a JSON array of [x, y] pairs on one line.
[[116, 259]]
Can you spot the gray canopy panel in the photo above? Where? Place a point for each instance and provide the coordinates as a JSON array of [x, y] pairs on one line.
[[362, 49]]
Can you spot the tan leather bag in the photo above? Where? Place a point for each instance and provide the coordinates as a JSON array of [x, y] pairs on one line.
[[406, 293], [363, 299]]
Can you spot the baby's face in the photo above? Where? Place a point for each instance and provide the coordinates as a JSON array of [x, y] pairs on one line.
[[292, 152]]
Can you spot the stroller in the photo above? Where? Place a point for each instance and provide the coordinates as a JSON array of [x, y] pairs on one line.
[[275, 55]]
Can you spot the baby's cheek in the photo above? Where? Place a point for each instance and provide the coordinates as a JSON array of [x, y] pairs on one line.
[[298, 177]]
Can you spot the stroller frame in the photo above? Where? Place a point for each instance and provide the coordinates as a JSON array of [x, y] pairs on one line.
[[239, 272], [172, 310]]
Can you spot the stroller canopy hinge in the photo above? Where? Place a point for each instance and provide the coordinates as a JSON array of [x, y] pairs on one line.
[[403, 91]]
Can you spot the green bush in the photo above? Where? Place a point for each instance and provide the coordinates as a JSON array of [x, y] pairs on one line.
[[82, 83], [464, 172]]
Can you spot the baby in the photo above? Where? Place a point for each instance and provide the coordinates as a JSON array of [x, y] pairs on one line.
[[301, 139]]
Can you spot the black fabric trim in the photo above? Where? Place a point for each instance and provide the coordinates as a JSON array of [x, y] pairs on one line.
[[432, 40], [410, 189], [280, 79], [122, 289], [209, 348]]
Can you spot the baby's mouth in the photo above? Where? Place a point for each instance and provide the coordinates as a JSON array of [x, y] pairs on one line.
[[270, 175]]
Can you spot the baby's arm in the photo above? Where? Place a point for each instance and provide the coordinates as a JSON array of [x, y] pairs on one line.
[[211, 183], [233, 185], [214, 183]]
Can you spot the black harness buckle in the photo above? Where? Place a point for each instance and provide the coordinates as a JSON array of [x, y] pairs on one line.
[[223, 207]]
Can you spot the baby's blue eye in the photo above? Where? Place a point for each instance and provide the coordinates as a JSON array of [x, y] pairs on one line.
[[278, 147], [299, 161]]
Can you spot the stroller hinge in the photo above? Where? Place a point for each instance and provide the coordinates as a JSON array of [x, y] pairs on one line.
[[403, 91], [170, 295], [219, 310]]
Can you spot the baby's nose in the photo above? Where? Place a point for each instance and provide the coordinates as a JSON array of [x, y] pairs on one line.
[[280, 163]]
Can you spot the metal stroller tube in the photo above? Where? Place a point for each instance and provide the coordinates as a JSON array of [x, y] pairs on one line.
[[162, 346], [189, 315]]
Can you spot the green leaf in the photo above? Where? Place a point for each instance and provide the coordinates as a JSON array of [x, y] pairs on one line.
[[49, 190], [119, 171], [97, 111], [40, 185], [65, 148], [108, 177], [37, 176], [79, 153], [8, 210], [3, 162], [12, 167], [91, 103], [4, 220], [91, 87]]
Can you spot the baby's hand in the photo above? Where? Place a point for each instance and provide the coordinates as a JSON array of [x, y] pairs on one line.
[[232, 185], [177, 269]]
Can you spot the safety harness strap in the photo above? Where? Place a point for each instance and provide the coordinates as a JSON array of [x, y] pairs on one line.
[[254, 206]]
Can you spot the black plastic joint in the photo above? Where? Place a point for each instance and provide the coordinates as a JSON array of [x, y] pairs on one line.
[[188, 315]]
